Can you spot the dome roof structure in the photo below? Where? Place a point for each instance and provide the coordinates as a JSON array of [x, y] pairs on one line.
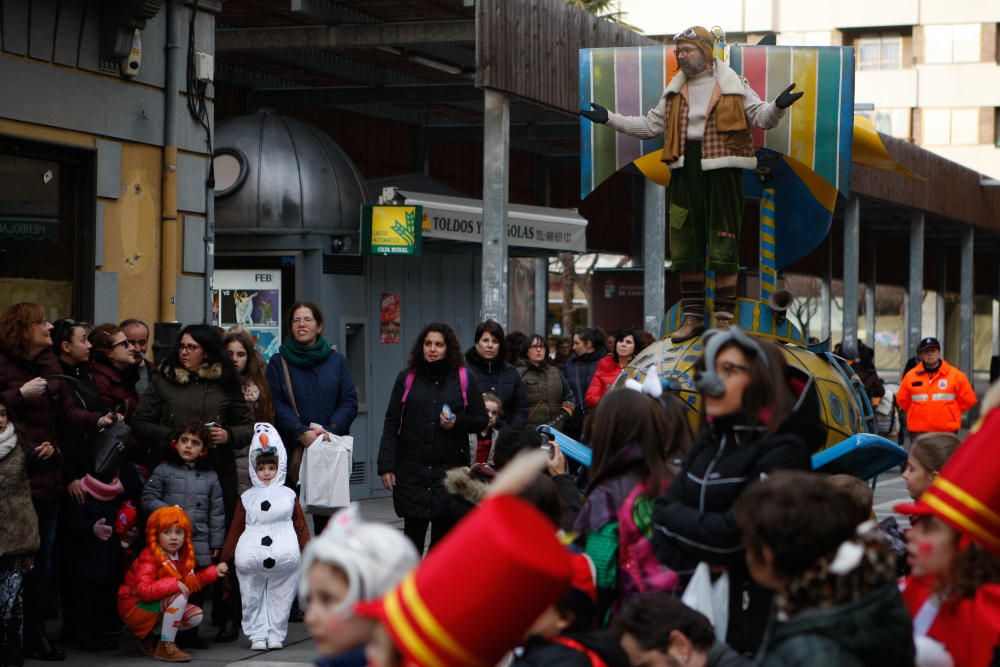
[[277, 173]]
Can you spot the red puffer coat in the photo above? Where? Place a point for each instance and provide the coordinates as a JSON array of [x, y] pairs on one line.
[[143, 582], [605, 374], [38, 416]]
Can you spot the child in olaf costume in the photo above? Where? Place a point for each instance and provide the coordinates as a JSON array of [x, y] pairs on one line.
[[267, 536]]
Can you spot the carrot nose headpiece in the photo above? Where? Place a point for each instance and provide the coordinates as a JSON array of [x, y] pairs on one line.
[[263, 440]]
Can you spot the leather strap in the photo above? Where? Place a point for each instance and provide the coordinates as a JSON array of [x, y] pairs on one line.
[[288, 385]]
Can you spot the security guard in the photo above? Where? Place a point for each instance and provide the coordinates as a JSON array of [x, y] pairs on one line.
[[934, 394]]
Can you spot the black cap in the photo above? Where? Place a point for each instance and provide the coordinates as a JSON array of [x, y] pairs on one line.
[[930, 341]]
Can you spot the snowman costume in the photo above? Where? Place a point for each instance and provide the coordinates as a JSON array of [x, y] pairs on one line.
[[271, 532]]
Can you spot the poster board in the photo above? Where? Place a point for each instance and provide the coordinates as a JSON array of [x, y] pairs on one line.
[[250, 298]]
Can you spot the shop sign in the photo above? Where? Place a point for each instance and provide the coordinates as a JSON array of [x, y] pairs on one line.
[[391, 230], [522, 233], [38, 229]]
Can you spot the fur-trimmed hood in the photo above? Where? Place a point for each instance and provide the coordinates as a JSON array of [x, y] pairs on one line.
[[180, 375], [466, 484]]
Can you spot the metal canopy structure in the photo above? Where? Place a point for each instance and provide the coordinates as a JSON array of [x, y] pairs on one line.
[[499, 72]]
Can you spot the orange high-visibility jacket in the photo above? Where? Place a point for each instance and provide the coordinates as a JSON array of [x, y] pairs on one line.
[[935, 401]]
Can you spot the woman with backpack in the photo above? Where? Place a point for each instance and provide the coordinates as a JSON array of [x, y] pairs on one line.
[[635, 438], [435, 404]]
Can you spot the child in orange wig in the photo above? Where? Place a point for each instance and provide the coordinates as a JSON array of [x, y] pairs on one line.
[[157, 586]]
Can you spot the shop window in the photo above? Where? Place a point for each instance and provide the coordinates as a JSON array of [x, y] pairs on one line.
[[958, 43], [894, 122], [43, 245], [880, 52]]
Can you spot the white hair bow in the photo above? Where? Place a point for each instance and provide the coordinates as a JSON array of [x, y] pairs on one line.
[[650, 386]]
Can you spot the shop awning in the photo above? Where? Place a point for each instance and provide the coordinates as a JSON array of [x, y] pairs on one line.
[[461, 219]]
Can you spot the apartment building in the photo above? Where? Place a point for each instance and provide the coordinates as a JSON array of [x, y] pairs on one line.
[[929, 68]]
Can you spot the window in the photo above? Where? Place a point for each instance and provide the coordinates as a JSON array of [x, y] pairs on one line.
[[894, 122], [880, 52], [952, 43], [950, 126]]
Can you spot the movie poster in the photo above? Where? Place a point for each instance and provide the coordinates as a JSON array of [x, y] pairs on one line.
[[251, 299], [390, 317]]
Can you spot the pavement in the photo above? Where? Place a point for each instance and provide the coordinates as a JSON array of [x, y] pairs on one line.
[[299, 651]]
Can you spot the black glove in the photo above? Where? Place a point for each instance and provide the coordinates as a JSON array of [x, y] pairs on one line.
[[598, 114], [787, 98]]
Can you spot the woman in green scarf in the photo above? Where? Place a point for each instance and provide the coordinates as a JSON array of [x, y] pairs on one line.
[[312, 389]]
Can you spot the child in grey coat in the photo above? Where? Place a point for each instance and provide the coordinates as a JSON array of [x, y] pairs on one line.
[[186, 480]]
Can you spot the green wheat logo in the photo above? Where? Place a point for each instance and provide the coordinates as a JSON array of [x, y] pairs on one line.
[[408, 231]]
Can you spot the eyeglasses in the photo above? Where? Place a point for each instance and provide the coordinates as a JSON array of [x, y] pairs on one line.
[[122, 343], [184, 347], [303, 320], [729, 369]]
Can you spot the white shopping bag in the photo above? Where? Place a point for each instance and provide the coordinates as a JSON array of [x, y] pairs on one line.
[[710, 598], [325, 475]]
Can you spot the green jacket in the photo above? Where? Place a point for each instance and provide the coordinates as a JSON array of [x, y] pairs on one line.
[[550, 399], [874, 631]]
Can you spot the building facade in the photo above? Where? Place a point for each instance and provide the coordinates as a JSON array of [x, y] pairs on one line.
[[104, 158]]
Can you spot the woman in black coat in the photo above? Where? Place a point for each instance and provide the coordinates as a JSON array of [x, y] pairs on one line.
[[419, 442], [487, 360], [588, 349], [758, 416]]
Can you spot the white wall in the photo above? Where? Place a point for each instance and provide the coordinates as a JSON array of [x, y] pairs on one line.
[[983, 158], [959, 11], [959, 85], [656, 17], [827, 14], [887, 89]]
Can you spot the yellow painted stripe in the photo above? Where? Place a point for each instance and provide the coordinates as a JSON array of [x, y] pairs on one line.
[[767, 254], [412, 643], [974, 529], [966, 499], [430, 626], [768, 204], [768, 237], [804, 62]]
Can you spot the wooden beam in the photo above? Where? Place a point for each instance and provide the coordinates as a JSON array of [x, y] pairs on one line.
[[343, 36], [338, 95]]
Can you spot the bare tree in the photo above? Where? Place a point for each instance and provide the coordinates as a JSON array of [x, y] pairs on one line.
[[806, 291], [567, 259]]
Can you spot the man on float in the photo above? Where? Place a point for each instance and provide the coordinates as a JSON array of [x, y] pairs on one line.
[[705, 116]]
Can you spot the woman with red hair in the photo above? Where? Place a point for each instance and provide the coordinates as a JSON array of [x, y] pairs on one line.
[[157, 586]]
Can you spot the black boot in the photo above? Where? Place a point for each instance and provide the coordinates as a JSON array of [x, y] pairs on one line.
[[229, 631], [41, 648]]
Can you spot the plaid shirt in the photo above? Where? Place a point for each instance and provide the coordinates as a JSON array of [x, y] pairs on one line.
[[715, 144]]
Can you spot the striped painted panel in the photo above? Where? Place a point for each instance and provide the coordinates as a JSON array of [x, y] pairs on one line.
[[629, 81], [818, 129]]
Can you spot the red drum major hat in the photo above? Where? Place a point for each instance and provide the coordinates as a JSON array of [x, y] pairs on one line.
[[966, 494], [478, 592]]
